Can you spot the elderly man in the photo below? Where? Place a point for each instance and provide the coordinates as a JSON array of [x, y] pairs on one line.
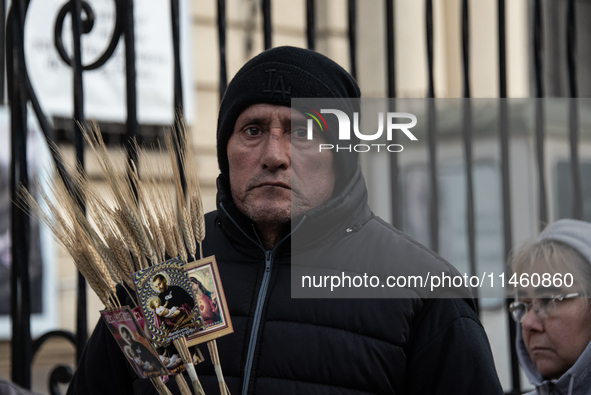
[[275, 186]]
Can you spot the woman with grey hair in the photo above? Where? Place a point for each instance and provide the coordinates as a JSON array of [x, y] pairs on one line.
[[553, 314]]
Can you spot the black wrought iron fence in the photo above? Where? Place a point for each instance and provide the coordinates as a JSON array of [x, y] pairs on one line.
[[20, 92]]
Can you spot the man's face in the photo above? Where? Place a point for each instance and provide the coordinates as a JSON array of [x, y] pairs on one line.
[[160, 285], [276, 172]]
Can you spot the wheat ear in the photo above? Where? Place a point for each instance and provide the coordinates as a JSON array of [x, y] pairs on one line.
[[185, 222], [129, 238], [197, 220], [195, 201]]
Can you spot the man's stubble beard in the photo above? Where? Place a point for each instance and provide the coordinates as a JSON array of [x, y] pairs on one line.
[[262, 216]]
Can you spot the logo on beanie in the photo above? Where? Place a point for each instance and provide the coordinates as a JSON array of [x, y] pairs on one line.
[[275, 85], [345, 129]]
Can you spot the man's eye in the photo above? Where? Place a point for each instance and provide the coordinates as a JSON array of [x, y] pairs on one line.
[[253, 131], [300, 133]]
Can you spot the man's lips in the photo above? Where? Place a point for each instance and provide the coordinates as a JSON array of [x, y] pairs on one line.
[[273, 184]]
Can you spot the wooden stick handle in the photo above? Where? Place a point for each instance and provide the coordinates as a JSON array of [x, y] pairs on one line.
[[182, 384], [160, 387], [215, 359], [181, 346]]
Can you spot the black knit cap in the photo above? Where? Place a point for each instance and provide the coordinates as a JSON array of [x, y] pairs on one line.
[[275, 77]]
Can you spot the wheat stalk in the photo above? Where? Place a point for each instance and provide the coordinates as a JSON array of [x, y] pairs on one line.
[[197, 220], [176, 232], [129, 238], [195, 204], [123, 257], [72, 234], [157, 237], [137, 228], [185, 222], [170, 241]]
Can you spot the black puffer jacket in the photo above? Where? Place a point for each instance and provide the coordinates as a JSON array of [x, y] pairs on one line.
[[282, 345]]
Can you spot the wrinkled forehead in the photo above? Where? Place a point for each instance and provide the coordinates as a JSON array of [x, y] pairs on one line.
[[264, 114]]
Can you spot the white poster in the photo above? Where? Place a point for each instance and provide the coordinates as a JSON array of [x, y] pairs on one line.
[[104, 88]]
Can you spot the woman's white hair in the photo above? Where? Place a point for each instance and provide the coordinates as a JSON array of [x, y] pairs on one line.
[[563, 247]]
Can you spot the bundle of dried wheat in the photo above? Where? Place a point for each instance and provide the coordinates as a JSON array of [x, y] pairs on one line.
[[143, 224]]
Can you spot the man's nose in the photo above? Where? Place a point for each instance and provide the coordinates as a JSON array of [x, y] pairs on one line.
[[276, 153]]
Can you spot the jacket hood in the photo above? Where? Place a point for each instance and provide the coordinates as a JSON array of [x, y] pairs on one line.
[[576, 380]]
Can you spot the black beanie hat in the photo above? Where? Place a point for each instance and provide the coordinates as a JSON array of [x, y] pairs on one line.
[[275, 77]]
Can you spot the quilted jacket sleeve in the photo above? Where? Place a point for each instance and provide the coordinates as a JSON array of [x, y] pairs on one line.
[[103, 368], [450, 353]]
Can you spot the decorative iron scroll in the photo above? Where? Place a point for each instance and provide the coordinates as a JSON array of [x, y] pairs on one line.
[[86, 27]]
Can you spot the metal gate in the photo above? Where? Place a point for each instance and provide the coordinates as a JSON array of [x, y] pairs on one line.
[[20, 93]]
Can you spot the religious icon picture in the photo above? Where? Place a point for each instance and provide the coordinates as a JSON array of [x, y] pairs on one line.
[[166, 299], [210, 301], [132, 341], [171, 359]]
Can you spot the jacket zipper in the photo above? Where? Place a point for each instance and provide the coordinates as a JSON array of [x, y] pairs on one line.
[[269, 254], [257, 319]]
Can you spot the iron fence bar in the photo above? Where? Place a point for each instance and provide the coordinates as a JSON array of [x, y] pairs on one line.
[[390, 49], [267, 27], [571, 49], [311, 24], [502, 49], [466, 48], [539, 113], [352, 33], [178, 87], [573, 121], [432, 142], [2, 53], [21, 355], [429, 36], [537, 49], [222, 47], [391, 78], [505, 187], [432, 132], [467, 137], [127, 11], [75, 13], [504, 133], [470, 217]]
